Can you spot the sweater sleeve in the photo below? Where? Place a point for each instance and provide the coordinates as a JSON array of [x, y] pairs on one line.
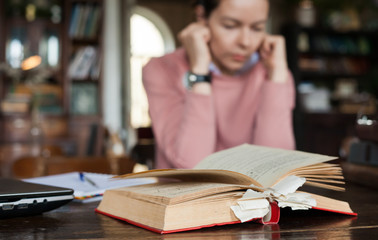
[[274, 126], [183, 121]]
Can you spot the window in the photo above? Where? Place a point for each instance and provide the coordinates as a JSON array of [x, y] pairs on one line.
[[150, 37]]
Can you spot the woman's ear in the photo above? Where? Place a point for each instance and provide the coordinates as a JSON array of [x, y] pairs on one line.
[[199, 12]]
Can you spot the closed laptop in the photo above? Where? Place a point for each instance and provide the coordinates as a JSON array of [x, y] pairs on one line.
[[19, 198]]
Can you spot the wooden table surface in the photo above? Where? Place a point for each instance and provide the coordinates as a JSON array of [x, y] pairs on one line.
[[79, 221]]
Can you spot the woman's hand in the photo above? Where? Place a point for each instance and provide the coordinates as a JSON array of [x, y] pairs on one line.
[[273, 55], [195, 38]]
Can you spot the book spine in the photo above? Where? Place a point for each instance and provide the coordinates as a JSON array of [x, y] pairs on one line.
[[93, 28], [274, 215], [74, 20]]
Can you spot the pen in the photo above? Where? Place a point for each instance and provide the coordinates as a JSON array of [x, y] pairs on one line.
[[84, 178]]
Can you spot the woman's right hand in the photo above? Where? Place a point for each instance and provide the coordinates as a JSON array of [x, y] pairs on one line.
[[195, 38]]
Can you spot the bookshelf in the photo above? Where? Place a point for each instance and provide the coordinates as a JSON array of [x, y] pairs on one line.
[[83, 48], [74, 119], [317, 54], [84, 44], [337, 65]]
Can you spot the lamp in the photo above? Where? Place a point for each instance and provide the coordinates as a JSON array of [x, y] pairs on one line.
[[31, 62]]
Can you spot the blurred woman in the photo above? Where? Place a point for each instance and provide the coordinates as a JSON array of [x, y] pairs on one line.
[[229, 84]]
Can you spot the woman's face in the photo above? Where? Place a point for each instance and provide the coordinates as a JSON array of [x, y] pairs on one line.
[[237, 30]]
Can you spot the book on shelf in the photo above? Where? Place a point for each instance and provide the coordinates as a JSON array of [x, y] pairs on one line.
[[240, 184], [333, 65], [14, 107], [95, 69], [16, 103], [94, 22], [84, 63], [339, 44], [84, 98], [49, 99], [75, 13], [84, 22]]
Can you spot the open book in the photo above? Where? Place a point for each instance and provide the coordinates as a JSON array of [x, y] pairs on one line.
[[240, 184]]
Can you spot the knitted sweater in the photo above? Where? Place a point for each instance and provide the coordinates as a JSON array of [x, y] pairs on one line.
[[246, 108]]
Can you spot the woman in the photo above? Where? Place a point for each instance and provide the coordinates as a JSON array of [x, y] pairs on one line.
[[229, 84]]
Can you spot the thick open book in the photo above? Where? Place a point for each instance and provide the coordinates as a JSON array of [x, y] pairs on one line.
[[240, 184]]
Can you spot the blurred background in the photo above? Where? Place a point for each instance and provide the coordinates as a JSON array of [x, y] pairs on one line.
[[71, 91]]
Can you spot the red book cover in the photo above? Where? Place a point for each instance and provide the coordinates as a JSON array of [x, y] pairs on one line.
[[274, 218], [335, 211]]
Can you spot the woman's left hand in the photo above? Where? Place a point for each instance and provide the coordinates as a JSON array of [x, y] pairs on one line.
[[273, 55]]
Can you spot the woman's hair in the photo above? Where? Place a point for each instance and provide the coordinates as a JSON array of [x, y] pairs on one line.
[[208, 5]]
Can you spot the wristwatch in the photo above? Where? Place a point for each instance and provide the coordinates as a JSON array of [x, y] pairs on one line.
[[193, 78]]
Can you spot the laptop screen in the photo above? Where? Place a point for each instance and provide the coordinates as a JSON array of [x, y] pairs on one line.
[[19, 198]]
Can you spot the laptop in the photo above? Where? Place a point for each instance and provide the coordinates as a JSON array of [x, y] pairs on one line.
[[19, 198]]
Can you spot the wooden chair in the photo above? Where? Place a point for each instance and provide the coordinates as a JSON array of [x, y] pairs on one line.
[[27, 167], [9, 153], [144, 150], [51, 161]]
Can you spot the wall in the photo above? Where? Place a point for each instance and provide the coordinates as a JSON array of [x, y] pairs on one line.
[[112, 65], [176, 13]]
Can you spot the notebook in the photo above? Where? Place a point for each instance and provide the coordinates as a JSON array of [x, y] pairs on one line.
[[90, 188], [19, 198]]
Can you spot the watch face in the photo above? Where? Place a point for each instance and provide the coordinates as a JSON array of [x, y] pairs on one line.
[[191, 79]]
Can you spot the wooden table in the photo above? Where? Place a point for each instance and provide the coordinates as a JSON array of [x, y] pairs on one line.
[[79, 221]]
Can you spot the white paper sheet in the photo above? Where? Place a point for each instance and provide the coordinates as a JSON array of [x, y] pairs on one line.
[[85, 191], [254, 203]]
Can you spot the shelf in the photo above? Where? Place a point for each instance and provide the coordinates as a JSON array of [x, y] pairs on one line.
[[85, 41], [22, 21], [93, 117], [14, 114], [340, 66], [328, 31], [85, 80], [86, 1], [335, 54], [89, 34], [309, 75], [332, 114], [317, 41], [324, 58]]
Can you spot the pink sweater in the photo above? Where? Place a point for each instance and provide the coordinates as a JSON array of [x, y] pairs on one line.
[[242, 109]]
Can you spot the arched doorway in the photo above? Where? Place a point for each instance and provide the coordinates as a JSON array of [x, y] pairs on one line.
[[149, 37]]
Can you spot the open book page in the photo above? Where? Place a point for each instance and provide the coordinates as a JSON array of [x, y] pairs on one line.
[[330, 204], [263, 164], [320, 170], [322, 175], [195, 175], [177, 192]]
